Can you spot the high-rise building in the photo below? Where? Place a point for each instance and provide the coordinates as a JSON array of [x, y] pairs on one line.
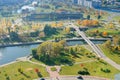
[[96, 3], [86, 3], [81, 2], [89, 3], [75, 1]]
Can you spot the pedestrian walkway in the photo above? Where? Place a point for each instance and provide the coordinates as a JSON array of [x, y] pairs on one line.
[[77, 78], [95, 48], [54, 75]]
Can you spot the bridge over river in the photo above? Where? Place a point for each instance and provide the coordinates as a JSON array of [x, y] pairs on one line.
[[98, 52]]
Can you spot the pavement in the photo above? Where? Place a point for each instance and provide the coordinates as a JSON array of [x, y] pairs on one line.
[[76, 78], [54, 75]]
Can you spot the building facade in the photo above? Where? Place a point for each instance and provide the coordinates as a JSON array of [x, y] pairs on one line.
[[96, 3], [75, 1], [86, 3]]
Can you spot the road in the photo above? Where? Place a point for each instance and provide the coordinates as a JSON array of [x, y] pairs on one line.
[[98, 52], [75, 77]]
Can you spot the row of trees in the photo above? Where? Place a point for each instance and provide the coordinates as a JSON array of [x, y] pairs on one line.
[[57, 24], [5, 26], [18, 36], [48, 30], [114, 45], [97, 33], [88, 23]]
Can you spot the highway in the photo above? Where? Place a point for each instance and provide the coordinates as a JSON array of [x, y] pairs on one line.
[[98, 52]]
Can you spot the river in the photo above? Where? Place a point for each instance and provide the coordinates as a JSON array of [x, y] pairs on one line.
[[9, 54]]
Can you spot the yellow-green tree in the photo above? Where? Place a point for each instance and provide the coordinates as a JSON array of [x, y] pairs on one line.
[[67, 30]]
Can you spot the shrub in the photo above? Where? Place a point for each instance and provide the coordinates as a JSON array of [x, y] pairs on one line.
[[105, 70], [83, 72], [20, 70], [7, 78], [53, 69]]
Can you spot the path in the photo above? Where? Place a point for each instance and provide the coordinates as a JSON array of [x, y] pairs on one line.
[[85, 61], [54, 75], [95, 48], [75, 77]]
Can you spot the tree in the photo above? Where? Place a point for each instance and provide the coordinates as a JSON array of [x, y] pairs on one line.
[[111, 25], [63, 43], [67, 30], [71, 51], [108, 44], [34, 34], [94, 23], [88, 17], [20, 70], [34, 53], [85, 23], [116, 40], [48, 30], [104, 34], [50, 49], [79, 22], [99, 17], [14, 36]]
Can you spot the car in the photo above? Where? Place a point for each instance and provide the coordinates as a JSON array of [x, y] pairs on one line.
[[42, 79], [80, 77]]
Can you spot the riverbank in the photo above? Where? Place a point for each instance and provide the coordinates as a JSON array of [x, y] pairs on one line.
[[9, 63], [39, 42], [26, 58], [19, 44]]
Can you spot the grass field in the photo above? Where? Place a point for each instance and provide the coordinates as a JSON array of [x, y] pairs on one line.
[[94, 69], [111, 55], [116, 18], [27, 68], [109, 31], [81, 57]]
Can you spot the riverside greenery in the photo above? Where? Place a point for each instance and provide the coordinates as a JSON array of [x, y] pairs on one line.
[[58, 53]]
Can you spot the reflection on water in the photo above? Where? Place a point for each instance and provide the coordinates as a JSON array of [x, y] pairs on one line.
[[0, 55]]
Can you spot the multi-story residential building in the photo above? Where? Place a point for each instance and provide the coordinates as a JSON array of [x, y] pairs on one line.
[[75, 1], [86, 3], [96, 3]]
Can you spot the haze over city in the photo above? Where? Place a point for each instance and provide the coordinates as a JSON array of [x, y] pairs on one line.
[[59, 39]]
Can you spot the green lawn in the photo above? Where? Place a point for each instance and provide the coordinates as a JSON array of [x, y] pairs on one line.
[[116, 18], [84, 56], [28, 70], [81, 57], [111, 55], [94, 69], [37, 61]]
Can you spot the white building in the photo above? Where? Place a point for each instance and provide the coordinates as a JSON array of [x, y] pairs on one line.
[[96, 3], [86, 3], [34, 3]]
